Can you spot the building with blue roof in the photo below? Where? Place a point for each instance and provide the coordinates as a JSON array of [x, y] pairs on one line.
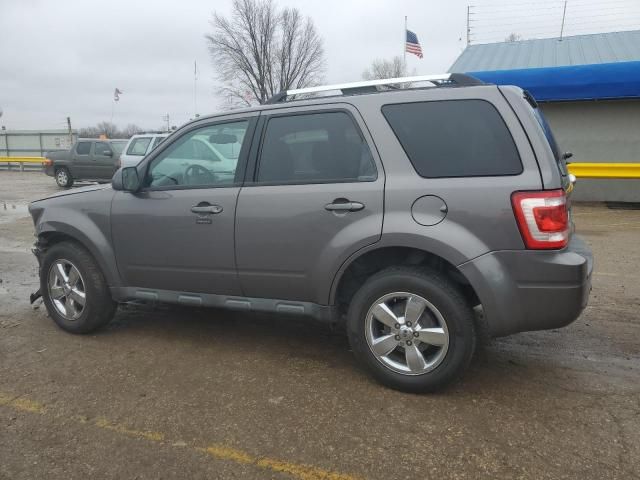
[[589, 89]]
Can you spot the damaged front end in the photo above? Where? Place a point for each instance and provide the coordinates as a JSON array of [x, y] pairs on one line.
[[38, 250]]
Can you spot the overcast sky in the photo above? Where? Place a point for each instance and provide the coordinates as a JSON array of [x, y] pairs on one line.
[[64, 58]]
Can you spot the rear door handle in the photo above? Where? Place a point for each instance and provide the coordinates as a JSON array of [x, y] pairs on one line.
[[344, 206], [212, 209]]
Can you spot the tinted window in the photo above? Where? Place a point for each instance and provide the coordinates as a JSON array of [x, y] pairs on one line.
[[562, 164], [454, 138], [139, 146], [197, 158], [101, 148], [83, 148], [314, 148]]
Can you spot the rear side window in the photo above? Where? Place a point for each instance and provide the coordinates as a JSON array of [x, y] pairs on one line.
[[139, 146], [321, 147], [454, 138], [83, 148]]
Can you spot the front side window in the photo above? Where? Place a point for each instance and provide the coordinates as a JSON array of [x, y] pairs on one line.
[[83, 148], [314, 148], [101, 149], [139, 146], [454, 138], [201, 157]]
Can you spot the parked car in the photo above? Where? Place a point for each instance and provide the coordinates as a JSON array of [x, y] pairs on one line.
[[417, 218], [138, 146], [88, 159]]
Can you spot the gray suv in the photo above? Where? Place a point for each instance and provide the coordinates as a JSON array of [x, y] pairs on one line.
[[417, 217]]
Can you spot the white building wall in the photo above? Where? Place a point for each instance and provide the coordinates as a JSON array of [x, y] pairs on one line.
[[603, 131]]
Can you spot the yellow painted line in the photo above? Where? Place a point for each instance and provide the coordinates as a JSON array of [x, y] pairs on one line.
[[218, 451], [114, 427], [21, 159], [21, 404], [605, 170], [301, 471]]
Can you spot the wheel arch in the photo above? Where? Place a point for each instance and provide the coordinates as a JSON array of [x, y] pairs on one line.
[[370, 261], [50, 235]]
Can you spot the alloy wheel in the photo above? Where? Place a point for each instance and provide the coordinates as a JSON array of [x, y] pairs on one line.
[[62, 177], [406, 333], [66, 289]]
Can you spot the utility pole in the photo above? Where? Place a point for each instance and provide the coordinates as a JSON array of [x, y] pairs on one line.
[[564, 14], [69, 131], [469, 7], [166, 119], [404, 47]]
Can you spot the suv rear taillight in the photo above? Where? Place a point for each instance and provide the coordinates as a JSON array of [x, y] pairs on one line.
[[543, 218]]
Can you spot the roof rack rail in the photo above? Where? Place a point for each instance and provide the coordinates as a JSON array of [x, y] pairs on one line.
[[370, 86]]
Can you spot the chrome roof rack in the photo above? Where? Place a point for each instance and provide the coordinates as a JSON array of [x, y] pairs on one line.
[[371, 86]]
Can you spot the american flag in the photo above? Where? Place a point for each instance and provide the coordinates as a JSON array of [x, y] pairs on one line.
[[412, 45]]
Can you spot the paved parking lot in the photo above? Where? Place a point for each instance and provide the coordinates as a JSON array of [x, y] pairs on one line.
[[184, 393]]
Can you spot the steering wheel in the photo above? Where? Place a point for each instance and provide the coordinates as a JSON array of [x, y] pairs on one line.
[[196, 174]]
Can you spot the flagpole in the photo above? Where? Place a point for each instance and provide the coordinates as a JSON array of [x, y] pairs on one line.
[[404, 45], [195, 89]]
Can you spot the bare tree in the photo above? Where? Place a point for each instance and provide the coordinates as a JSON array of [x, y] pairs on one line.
[[384, 68], [88, 132], [513, 37], [261, 50], [109, 129], [130, 130]]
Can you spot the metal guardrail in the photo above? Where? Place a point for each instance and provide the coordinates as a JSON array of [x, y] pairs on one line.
[[32, 163], [605, 170]]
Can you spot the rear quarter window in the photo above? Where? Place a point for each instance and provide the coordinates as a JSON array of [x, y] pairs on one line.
[[454, 138]]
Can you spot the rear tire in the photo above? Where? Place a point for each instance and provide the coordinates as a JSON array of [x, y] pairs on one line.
[[74, 289], [63, 177], [412, 329]]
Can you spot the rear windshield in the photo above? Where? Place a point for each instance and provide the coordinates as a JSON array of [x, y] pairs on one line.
[[454, 138], [562, 164]]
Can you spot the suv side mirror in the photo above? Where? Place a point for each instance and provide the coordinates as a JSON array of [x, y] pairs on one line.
[[126, 179]]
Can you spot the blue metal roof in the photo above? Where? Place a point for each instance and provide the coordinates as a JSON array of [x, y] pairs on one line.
[[581, 82], [550, 52]]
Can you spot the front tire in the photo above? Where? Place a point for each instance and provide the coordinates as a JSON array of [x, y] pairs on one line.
[[412, 329], [74, 289], [63, 177]]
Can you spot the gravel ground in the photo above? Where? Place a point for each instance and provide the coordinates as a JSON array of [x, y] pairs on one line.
[[177, 393]]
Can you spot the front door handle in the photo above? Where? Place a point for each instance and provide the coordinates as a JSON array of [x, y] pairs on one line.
[[206, 208], [343, 205]]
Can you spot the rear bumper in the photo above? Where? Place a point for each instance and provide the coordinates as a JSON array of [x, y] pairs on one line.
[[48, 169], [523, 290]]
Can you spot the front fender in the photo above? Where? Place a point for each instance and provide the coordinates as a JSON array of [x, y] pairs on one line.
[[84, 218]]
